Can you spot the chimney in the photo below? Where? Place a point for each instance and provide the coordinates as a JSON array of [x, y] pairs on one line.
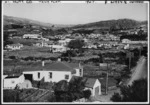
[[43, 63]]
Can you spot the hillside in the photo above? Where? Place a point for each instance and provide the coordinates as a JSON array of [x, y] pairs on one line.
[[117, 24], [16, 20]]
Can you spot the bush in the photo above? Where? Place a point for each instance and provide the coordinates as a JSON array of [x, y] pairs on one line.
[[12, 57], [87, 94], [11, 96], [42, 85], [137, 92]]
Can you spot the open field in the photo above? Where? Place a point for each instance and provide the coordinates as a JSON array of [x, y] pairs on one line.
[[31, 51]]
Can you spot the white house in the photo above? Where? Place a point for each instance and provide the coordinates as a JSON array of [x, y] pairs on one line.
[[44, 44], [45, 39], [10, 82], [58, 48], [54, 72], [65, 41], [126, 46], [62, 42], [17, 46], [127, 41], [32, 36], [94, 85]]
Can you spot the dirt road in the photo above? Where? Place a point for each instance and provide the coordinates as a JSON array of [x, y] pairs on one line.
[[140, 71]]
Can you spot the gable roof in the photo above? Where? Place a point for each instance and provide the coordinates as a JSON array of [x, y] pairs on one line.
[[90, 82], [56, 66]]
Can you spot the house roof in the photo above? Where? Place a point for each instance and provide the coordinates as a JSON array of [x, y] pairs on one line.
[[56, 66], [89, 82]]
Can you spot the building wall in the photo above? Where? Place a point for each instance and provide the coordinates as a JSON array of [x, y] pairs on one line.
[[97, 83], [35, 74], [78, 72], [56, 75], [10, 83]]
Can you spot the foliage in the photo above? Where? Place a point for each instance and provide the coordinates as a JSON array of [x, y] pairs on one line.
[[11, 96], [76, 44], [6, 39], [87, 94], [134, 37], [137, 92], [42, 85], [68, 92]]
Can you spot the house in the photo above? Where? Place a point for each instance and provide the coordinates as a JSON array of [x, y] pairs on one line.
[[127, 41], [45, 39], [17, 46], [65, 41], [62, 42], [92, 84], [58, 48], [44, 44], [54, 72], [32, 36], [10, 82]]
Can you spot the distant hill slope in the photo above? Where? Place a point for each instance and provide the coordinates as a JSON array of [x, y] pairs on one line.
[[16, 20], [117, 24], [120, 23]]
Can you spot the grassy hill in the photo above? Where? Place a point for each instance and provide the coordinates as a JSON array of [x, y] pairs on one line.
[[117, 24], [23, 21]]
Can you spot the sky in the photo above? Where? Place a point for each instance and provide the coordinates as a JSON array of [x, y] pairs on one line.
[[76, 13]]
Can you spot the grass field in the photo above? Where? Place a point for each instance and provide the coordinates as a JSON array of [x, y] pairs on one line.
[[32, 51]]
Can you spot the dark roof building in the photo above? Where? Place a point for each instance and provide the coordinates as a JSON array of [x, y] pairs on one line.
[[56, 66]]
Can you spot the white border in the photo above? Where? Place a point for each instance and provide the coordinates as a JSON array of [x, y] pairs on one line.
[[69, 102]]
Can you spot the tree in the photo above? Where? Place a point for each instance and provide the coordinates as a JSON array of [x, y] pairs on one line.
[[130, 55], [11, 96], [137, 92], [68, 91], [87, 94], [76, 44], [6, 39]]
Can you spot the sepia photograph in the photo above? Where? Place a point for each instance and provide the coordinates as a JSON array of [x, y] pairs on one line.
[[75, 52]]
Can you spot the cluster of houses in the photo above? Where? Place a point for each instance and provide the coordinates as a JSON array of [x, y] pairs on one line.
[[91, 41], [17, 46], [54, 72]]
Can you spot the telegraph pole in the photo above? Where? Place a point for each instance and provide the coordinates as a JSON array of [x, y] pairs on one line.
[[130, 55], [141, 48], [106, 92]]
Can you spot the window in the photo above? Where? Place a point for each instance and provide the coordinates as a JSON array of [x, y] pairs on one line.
[[66, 76], [80, 72], [50, 75], [38, 75]]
